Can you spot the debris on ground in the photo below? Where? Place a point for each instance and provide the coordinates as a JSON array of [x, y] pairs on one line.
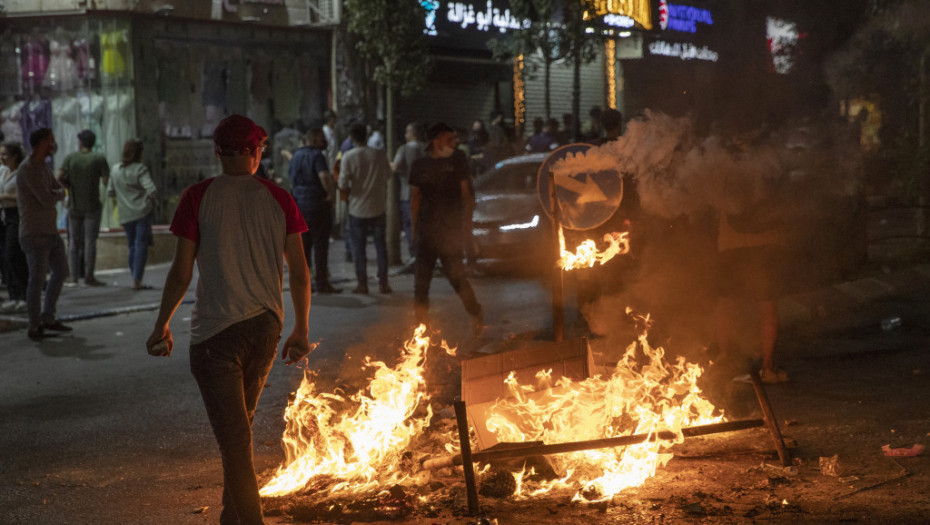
[[912, 451], [830, 466]]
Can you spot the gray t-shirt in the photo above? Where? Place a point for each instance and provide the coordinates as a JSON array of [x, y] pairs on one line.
[[365, 172], [134, 190], [404, 158], [37, 192], [239, 224]]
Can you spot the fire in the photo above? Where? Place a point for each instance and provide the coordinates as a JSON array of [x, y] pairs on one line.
[[644, 393], [587, 254], [357, 449]]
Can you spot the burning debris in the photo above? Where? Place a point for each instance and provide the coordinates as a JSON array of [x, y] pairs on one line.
[[364, 455]]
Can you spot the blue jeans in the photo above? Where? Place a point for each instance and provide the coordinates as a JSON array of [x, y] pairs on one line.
[[83, 228], [44, 253], [230, 369], [138, 235], [360, 229]]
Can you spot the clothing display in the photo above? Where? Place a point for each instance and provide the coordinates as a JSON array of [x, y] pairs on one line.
[[36, 114], [35, 64], [62, 70], [114, 48], [67, 124], [11, 124]]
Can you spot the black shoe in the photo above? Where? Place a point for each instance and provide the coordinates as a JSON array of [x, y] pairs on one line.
[[384, 288], [327, 289], [38, 333], [361, 289], [56, 327], [94, 282]]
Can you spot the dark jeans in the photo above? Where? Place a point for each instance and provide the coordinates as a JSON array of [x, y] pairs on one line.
[[83, 228], [319, 218], [15, 268], [44, 253], [138, 236], [360, 229], [230, 369], [447, 248], [405, 223]]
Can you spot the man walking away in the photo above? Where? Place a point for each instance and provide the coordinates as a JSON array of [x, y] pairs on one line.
[[441, 204], [81, 172], [37, 191], [363, 181], [313, 189], [403, 160], [240, 230]]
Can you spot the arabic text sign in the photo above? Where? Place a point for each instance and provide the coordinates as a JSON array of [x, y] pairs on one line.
[[683, 50]]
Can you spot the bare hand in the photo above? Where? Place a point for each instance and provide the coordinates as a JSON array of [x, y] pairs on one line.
[[296, 348], [160, 343]]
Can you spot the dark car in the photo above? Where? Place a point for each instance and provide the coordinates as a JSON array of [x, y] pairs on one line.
[[511, 230]]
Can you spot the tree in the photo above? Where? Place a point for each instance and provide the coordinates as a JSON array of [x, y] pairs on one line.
[[391, 36], [579, 47], [537, 35]]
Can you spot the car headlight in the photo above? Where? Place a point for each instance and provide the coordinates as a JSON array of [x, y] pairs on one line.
[[521, 226]]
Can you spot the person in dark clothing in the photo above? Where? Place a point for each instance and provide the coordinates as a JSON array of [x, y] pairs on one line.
[[441, 203], [313, 189]]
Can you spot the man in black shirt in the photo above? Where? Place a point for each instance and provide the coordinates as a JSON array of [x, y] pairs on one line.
[[441, 203]]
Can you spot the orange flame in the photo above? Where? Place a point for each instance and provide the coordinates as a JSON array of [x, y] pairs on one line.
[[358, 449], [643, 394], [587, 254]]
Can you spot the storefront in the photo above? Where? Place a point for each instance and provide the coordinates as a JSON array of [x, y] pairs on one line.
[[166, 80]]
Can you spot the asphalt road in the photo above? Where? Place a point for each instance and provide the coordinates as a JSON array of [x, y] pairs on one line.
[[93, 430]]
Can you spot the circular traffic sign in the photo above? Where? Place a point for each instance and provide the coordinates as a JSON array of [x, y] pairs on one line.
[[586, 198]]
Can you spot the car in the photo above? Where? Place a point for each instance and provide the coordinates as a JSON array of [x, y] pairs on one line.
[[511, 229]]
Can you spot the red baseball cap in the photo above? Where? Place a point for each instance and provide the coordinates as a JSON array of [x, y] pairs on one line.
[[237, 133]]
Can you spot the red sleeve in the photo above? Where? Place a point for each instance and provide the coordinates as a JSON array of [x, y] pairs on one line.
[[185, 222], [292, 216]]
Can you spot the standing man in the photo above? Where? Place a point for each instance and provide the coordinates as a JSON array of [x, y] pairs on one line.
[[37, 191], [414, 149], [313, 188], [240, 230], [332, 142], [441, 204], [363, 183], [81, 172]]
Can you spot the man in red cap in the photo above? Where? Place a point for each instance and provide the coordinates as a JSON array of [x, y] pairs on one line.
[[239, 230]]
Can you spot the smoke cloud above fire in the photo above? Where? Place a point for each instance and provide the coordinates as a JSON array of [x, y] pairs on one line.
[[805, 175]]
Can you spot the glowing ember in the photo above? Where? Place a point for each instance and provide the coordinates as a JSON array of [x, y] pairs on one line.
[[644, 394], [587, 254], [359, 448]]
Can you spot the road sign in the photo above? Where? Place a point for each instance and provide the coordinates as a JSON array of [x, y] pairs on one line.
[[586, 199]]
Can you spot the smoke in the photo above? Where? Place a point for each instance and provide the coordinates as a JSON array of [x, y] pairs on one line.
[[805, 177]]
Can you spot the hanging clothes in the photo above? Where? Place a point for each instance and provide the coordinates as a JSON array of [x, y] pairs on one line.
[[11, 124], [36, 114], [35, 64], [62, 71], [86, 65], [91, 116], [114, 48], [67, 111]]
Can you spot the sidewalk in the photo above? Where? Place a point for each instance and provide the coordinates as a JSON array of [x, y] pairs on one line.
[[79, 303]]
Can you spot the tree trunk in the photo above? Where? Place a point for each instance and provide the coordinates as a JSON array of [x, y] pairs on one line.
[[393, 189], [547, 68]]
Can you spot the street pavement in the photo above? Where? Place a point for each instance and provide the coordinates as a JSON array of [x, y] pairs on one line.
[[93, 430]]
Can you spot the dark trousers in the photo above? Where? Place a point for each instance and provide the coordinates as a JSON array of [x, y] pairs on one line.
[[83, 228], [230, 369], [361, 229], [45, 255], [138, 236], [406, 225], [319, 218], [15, 268], [447, 249]]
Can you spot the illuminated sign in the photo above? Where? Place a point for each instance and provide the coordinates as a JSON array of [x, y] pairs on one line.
[[621, 21], [465, 15], [639, 10], [683, 51], [682, 18]]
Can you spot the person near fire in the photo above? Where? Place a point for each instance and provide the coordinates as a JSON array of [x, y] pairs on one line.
[[314, 189], [37, 193], [239, 230], [363, 180], [750, 262], [441, 204]]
